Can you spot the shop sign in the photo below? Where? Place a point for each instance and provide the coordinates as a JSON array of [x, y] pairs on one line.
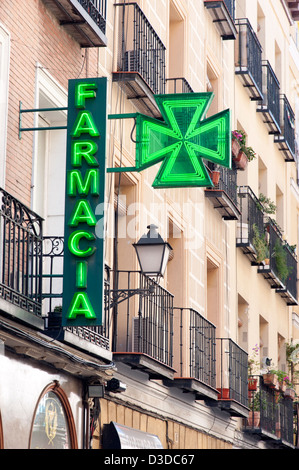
[[182, 141], [83, 273]]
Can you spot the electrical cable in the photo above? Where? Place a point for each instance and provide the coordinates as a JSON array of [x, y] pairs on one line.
[[53, 348]]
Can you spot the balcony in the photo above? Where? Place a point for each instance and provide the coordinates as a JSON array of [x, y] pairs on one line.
[[251, 219], [294, 9], [271, 415], [87, 338], [195, 356], [280, 270], [212, 369], [21, 261], [31, 278], [85, 20], [224, 194], [140, 60], [232, 365], [143, 324], [248, 59], [286, 138], [289, 290], [178, 85], [223, 15], [269, 106]]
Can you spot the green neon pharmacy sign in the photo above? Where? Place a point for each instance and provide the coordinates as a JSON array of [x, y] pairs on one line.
[[83, 276], [180, 142]]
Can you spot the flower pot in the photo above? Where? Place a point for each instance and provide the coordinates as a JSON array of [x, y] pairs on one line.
[[215, 177], [253, 419], [277, 396], [252, 384], [235, 148], [223, 393], [282, 386], [271, 380], [241, 161], [278, 430], [289, 393]]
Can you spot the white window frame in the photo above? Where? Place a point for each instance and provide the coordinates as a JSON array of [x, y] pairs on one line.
[[48, 93], [4, 86]]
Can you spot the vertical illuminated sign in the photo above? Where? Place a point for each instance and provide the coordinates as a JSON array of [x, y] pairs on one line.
[[83, 273]]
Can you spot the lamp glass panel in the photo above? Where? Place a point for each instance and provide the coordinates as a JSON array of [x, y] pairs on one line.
[[150, 258], [165, 259]]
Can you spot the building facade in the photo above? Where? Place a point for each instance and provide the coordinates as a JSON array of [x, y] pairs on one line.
[[173, 361]]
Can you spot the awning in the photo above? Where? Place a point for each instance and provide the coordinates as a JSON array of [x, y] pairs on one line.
[[118, 436]]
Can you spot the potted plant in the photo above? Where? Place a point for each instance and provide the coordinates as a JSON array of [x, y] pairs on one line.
[[253, 369], [254, 415], [267, 205], [292, 353], [283, 379], [260, 245], [270, 379], [245, 154], [280, 257], [215, 176], [237, 137]]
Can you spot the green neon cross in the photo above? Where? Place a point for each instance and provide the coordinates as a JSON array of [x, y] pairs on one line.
[[183, 140]]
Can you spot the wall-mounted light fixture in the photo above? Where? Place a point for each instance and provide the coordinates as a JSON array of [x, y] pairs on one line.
[[95, 391], [116, 386], [152, 252]]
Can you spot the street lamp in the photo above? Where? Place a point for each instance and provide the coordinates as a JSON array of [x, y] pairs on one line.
[[152, 252]]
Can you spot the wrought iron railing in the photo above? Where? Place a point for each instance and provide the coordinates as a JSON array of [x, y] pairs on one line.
[[248, 60], [275, 244], [140, 49], [178, 85], [53, 250], [280, 255], [21, 254], [233, 371], [197, 335], [97, 11], [228, 183], [271, 98], [271, 412], [287, 124], [251, 219], [143, 317], [290, 281], [230, 5]]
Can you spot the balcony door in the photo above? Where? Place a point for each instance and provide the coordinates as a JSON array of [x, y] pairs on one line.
[[48, 180], [176, 42], [213, 293]]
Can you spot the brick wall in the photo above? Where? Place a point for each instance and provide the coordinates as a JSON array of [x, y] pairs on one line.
[[35, 37]]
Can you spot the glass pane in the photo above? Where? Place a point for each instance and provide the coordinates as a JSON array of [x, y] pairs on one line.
[[50, 427]]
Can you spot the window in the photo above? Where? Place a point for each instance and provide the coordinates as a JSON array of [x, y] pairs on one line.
[[4, 73], [279, 208], [213, 293], [243, 313], [1, 434], [213, 86], [49, 155], [176, 43], [262, 177], [53, 426], [176, 277]]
